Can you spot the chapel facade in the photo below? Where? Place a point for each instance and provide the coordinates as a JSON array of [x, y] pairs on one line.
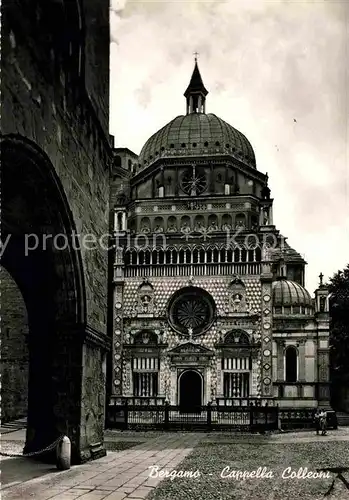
[[209, 303]]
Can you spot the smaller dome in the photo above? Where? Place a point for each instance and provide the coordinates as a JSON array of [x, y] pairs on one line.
[[289, 294]]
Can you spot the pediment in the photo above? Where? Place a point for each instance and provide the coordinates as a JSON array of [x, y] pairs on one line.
[[190, 348]]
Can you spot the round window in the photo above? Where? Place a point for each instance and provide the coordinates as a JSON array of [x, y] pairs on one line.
[[193, 182], [191, 311]]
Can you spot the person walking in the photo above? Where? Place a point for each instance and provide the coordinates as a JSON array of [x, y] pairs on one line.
[[320, 419]]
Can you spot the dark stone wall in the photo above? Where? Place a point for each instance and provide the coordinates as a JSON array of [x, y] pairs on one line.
[[55, 95], [14, 350], [93, 399], [97, 58], [45, 99]]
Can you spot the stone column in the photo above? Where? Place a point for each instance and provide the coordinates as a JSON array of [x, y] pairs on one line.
[[261, 218], [219, 392], [271, 215], [207, 385], [254, 377], [127, 378], [173, 386]]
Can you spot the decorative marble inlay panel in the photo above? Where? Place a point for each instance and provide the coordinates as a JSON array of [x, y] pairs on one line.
[[163, 289], [218, 288]]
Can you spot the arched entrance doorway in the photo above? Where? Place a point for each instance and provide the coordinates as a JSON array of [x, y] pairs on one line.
[[39, 253], [190, 391]]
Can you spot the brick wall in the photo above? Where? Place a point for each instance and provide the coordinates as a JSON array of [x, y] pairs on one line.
[[14, 349], [67, 117]]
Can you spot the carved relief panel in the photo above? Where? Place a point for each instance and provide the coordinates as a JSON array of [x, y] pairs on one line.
[[145, 303], [237, 299]]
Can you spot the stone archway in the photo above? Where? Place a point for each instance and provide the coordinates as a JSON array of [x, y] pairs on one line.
[[39, 252]]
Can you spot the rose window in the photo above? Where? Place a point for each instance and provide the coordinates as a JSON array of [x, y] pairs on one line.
[[191, 311], [194, 182]]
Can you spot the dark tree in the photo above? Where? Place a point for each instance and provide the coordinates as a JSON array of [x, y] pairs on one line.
[[339, 330]]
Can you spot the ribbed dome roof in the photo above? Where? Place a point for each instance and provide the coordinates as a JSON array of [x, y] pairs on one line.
[[290, 293], [196, 134]]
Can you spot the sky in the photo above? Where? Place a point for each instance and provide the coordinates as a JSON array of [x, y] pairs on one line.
[[265, 64]]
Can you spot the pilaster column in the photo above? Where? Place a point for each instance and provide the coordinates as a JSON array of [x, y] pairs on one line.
[[324, 377], [162, 373], [117, 338], [301, 361], [266, 325], [280, 361]]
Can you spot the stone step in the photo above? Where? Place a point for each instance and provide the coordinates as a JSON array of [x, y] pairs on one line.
[[343, 419]]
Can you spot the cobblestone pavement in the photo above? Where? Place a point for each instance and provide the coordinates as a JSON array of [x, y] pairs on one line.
[[118, 476], [125, 474]]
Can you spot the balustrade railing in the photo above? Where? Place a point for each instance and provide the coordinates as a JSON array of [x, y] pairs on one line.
[[173, 270], [208, 417], [245, 402], [140, 400]]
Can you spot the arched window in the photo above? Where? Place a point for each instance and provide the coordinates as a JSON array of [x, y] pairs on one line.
[[133, 257], [154, 257], [215, 255], [119, 222], [147, 257], [161, 257], [181, 257], [117, 161], [291, 364], [202, 256], [258, 254]]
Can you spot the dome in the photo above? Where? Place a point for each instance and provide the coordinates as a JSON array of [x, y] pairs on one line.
[[287, 294], [196, 134]]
